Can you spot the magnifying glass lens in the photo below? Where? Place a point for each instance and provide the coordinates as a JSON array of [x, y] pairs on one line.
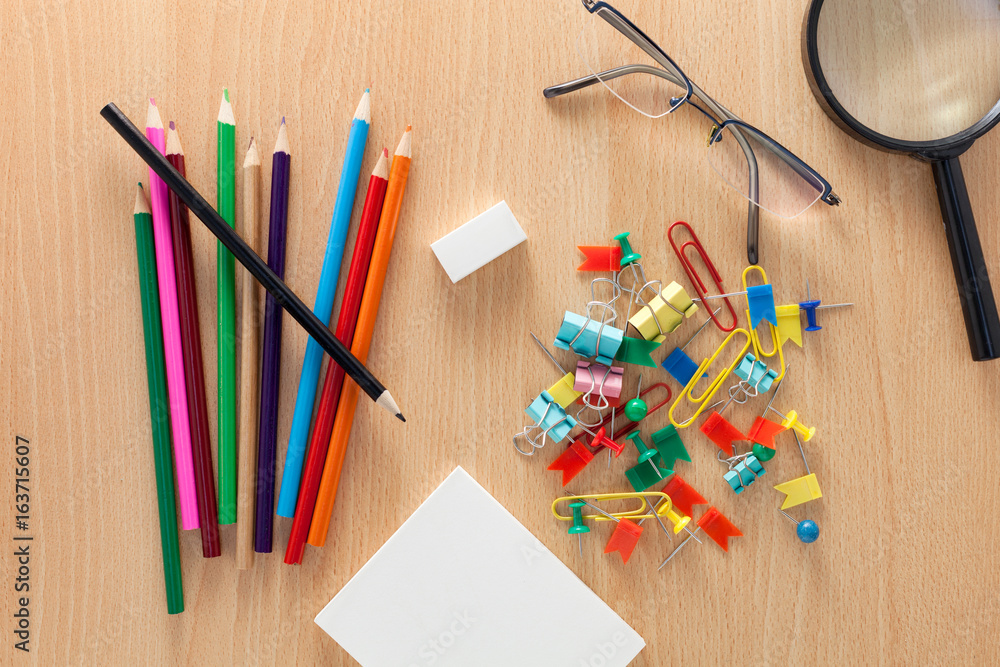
[[913, 70]]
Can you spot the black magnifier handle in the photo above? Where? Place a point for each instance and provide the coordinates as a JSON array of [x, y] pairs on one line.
[[978, 306]]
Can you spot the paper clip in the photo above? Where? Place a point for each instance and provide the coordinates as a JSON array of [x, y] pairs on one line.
[[702, 401], [628, 426], [755, 339], [692, 274], [664, 507]]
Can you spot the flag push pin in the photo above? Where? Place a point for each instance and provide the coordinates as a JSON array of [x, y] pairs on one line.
[[625, 536], [680, 366]]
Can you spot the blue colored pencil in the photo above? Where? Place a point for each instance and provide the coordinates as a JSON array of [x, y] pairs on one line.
[[270, 369], [330, 274]]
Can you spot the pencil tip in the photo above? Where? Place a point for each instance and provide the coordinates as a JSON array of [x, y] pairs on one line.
[[401, 417], [282, 120], [172, 126], [225, 93], [140, 185], [152, 101], [368, 90], [408, 128], [385, 152]]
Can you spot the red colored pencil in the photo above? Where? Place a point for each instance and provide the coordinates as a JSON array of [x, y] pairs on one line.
[[334, 382], [194, 377]]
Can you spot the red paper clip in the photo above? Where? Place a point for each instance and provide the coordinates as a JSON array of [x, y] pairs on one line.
[[628, 426], [692, 274]]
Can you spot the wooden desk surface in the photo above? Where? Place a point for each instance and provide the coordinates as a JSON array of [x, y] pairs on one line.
[[906, 567]]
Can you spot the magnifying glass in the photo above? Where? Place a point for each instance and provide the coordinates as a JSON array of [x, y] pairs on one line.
[[920, 77]]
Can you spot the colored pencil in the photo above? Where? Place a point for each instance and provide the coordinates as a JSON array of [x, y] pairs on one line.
[[270, 370], [158, 406], [225, 285], [329, 275], [348, 318], [249, 378], [173, 354], [288, 299], [374, 283], [187, 302]]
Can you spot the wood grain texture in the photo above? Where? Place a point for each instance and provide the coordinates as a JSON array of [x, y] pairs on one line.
[[906, 567]]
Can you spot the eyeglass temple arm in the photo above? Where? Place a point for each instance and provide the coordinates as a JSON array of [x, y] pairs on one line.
[[753, 212]]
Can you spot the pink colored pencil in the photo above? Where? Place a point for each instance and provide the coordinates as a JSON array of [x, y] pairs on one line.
[[173, 356]]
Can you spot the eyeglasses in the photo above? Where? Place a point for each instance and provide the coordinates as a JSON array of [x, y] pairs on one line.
[[645, 78]]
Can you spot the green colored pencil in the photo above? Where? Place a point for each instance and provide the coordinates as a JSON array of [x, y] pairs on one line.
[[159, 404], [225, 286]]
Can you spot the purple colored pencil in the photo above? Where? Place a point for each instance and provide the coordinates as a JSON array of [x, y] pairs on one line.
[[267, 438]]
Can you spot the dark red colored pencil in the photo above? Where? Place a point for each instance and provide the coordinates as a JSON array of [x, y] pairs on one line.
[[319, 442], [194, 378]]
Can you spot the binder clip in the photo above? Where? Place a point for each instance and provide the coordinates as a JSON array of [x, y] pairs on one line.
[[597, 379], [806, 530], [590, 337], [680, 366], [551, 421], [600, 258], [744, 469], [756, 374], [699, 285], [562, 392], [663, 313], [702, 400], [716, 526]]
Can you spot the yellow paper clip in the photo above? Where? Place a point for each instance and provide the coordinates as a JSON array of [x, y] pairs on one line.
[[662, 507], [702, 401], [758, 350]]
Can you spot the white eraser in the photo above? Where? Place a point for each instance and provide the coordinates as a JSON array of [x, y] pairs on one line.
[[478, 242], [461, 583]]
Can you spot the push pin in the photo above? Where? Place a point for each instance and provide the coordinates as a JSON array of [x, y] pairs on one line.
[[811, 305], [578, 528], [636, 409], [628, 255], [601, 439], [646, 453], [807, 530], [791, 421]]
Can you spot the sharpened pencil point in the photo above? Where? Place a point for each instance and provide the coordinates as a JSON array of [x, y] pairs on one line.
[[401, 417], [172, 126], [152, 101], [225, 93]]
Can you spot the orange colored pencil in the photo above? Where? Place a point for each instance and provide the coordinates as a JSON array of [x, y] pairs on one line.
[[398, 174]]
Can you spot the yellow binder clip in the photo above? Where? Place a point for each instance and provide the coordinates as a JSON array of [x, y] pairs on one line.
[[702, 400]]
